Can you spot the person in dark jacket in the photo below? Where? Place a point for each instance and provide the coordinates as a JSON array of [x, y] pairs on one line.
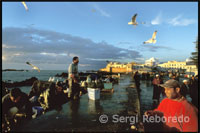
[[184, 88], [137, 81], [15, 105], [193, 85], [156, 88]]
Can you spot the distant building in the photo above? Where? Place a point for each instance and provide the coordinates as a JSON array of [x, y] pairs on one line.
[[188, 66], [152, 62], [117, 67], [173, 64]]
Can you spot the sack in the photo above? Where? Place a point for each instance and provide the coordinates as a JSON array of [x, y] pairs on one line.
[[47, 97]]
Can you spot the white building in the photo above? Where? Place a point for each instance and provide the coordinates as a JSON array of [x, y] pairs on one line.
[[152, 62]]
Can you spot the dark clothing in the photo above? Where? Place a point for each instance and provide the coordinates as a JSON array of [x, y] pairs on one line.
[[156, 92], [148, 76], [137, 81], [7, 104], [184, 90], [193, 85], [143, 76], [156, 88]]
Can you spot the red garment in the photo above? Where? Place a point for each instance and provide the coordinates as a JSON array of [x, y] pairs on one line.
[[178, 109]]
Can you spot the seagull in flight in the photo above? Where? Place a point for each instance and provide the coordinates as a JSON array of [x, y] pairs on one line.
[[93, 10], [133, 21], [25, 5], [153, 39], [34, 67]]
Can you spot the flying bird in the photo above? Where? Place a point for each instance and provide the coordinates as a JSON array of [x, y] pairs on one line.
[[25, 6], [34, 67], [153, 39], [133, 21], [93, 10]]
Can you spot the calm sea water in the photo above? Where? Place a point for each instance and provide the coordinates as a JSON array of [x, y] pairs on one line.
[[23, 75]]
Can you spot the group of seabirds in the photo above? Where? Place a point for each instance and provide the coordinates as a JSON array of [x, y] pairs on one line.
[[133, 22]]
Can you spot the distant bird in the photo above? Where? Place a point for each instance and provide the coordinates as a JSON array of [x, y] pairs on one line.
[[53, 79], [133, 21], [25, 6], [93, 10], [49, 79], [34, 67], [153, 39]]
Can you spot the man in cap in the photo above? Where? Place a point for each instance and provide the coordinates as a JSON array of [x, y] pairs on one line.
[[14, 105], [175, 107]]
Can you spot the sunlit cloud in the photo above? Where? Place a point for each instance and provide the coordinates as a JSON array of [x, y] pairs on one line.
[[84, 65], [53, 54], [3, 58], [8, 46], [180, 21], [157, 20], [17, 54], [49, 54], [59, 52]]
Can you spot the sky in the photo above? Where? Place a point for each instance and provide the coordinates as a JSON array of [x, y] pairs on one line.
[[50, 34]]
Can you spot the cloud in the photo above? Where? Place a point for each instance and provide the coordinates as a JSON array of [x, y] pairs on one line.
[[179, 21], [157, 20], [102, 12], [153, 48], [17, 41], [3, 58], [5, 46]]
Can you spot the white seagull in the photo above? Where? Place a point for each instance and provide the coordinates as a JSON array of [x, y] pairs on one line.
[[133, 21], [25, 5], [49, 79], [34, 67], [153, 39]]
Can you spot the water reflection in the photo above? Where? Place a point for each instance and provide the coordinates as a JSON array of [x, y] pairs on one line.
[[74, 111], [94, 107]]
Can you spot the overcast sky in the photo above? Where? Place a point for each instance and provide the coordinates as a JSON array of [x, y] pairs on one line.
[[50, 34]]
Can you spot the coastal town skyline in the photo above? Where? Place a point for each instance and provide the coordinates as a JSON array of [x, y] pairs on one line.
[[49, 34]]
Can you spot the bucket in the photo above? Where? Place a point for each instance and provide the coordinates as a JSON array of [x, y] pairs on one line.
[[93, 94]]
